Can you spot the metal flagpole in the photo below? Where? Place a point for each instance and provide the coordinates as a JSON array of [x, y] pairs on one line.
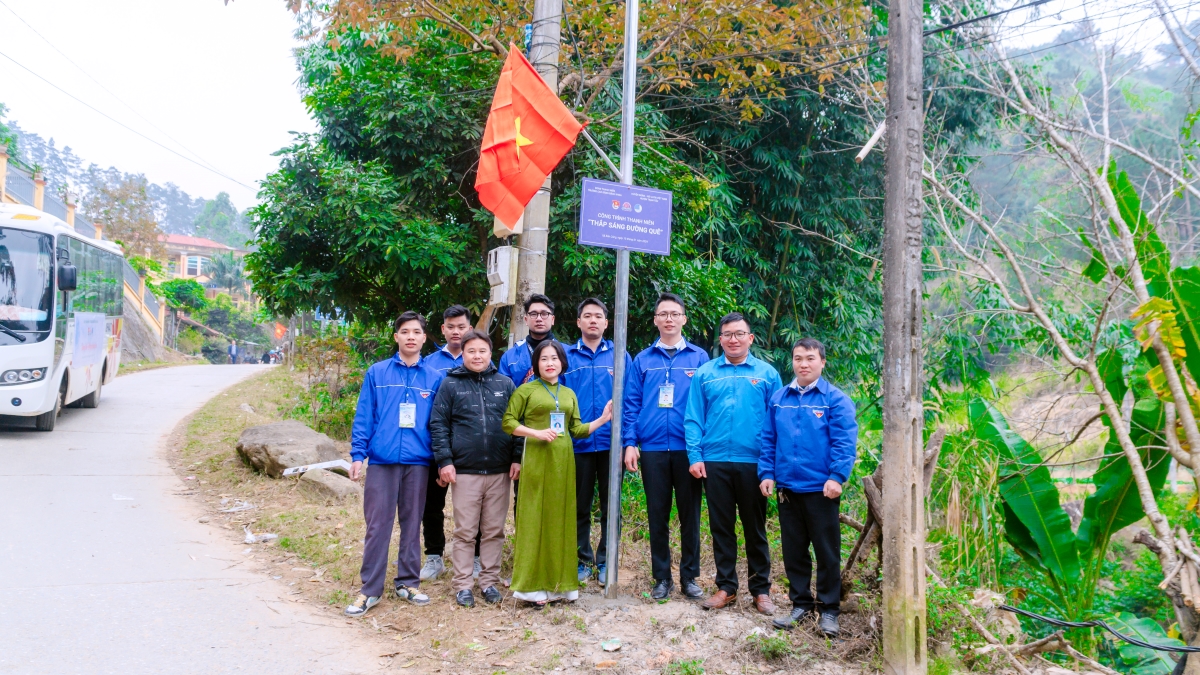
[[621, 313]]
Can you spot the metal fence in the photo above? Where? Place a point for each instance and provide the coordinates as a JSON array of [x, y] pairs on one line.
[[131, 276], [19, 185], [84, 226], [151, 302], [55, 208]]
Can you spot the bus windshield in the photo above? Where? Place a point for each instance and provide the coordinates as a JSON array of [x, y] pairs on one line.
[[26, 275]]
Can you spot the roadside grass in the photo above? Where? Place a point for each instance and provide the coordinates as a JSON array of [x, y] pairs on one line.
[[317, 555]]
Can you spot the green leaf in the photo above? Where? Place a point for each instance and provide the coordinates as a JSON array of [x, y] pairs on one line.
[[1030, 497], [1111, 367], [1183, 289], [1116, 503], [1139, 660], [1153, 255], [1096, 267]]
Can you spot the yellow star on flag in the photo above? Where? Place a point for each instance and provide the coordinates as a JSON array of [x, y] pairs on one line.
[[521, 140]]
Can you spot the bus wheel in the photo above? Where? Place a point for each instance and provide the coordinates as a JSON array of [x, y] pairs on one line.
[[92, 400], [45, 421]]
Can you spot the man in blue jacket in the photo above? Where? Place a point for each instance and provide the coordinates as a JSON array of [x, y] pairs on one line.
[[391, 430], [590, 369], [656, 394], [456, 321], [723, 424], [809, 441], [517, 362]]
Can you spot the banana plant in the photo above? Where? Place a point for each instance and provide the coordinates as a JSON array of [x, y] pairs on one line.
[[1035, 522]]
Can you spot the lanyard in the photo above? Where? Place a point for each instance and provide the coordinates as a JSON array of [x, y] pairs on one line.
[[557, 386], [408, 379]]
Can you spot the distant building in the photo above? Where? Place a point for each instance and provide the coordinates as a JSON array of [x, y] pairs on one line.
[[189, 258]]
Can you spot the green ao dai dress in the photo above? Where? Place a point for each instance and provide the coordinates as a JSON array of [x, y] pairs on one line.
[[545, 565]]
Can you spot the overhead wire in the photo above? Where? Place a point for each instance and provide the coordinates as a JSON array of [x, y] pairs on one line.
[[122, 124], [101, 85]]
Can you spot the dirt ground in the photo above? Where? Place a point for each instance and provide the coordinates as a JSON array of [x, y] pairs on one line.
[[317, 552]]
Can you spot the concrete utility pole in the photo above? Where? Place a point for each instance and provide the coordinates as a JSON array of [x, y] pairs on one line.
[[903, 543], [621, 313], [534, 238]]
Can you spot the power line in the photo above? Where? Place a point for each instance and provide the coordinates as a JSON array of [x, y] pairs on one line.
[[122, 124], [101, 85]]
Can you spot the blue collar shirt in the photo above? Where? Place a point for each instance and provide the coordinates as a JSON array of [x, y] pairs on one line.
[[726, 408], [377, 434], [590, 375]]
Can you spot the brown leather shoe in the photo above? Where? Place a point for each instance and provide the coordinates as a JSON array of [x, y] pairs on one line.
[[764, 605], [719, 600]]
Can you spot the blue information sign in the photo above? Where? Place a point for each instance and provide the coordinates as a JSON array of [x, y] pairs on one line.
[[615, 215]]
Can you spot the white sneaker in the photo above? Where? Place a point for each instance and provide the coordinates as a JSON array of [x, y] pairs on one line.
[[412, 595], [361, 605], [434, 567], [478, 568]]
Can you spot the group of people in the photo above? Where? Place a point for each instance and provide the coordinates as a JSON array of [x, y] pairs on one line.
[[726, 427]]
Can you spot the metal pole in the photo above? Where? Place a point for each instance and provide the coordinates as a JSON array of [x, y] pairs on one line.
[[903, 485], [621, 314]]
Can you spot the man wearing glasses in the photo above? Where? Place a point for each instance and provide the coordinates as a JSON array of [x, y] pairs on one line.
[[726, 409], [656, 393], [517, 363]]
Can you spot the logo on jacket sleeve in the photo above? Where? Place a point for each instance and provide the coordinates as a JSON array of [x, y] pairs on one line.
[[754, 381], [424, 394], [819, 413], [689, 373]]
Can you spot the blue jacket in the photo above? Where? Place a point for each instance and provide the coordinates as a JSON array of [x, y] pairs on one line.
[[726, 408], [377, 433], [517, 363], [808, 438], [590, 375], [643, 423], [442, 362]]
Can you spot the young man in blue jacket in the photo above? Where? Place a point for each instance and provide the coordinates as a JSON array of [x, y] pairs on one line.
[[809, 443], [656, 394], [456, 321], [590, 369], [723, 424], [391, 430], [517, 362]]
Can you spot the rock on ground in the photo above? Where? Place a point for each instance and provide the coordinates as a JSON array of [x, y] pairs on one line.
[[328, 485], [271, 448]]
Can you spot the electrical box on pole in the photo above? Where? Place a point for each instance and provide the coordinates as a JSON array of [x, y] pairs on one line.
[[502, 275]]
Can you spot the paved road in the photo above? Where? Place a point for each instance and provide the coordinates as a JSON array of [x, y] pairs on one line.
[[92, 584]]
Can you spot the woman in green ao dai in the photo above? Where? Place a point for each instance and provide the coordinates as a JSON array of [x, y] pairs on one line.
[[547, 415]]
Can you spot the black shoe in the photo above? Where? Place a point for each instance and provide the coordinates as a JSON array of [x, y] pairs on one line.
[[828, 624], [692, 590], [465, 598], [662, 590], [789, 622], [491, 595]]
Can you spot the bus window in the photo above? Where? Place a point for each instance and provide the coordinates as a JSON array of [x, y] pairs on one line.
[[26, 282]]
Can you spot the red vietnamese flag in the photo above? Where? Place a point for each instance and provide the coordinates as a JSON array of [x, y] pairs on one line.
[[528, 133]]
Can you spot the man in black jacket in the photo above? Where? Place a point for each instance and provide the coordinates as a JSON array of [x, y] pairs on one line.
[[475, 456]]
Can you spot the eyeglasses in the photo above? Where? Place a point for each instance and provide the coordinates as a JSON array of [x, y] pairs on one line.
[[669, 315], [735, 335], [539, 315]]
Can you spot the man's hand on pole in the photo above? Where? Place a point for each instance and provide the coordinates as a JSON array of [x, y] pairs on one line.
[[631, 457], [833, 489]]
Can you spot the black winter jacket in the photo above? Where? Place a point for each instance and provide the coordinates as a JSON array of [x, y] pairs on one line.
[[465, 425]]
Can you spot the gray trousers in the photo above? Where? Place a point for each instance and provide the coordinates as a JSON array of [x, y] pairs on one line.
[[400, 487]]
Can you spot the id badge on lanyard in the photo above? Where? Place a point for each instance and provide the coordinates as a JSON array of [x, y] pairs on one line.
[[408, 415], [558, 422], [666, 395]]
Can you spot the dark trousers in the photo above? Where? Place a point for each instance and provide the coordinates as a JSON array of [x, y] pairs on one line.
[[811, 518], [397, 489], [664, 472], [591, 468], [732, 489]]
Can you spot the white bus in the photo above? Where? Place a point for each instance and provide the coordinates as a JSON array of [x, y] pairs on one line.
[[61, 299]]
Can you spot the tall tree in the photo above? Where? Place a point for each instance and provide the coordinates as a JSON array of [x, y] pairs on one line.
[[220, 221], [120, 204]]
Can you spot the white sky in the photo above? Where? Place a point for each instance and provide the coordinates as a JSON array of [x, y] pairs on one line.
[[219, 79]]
